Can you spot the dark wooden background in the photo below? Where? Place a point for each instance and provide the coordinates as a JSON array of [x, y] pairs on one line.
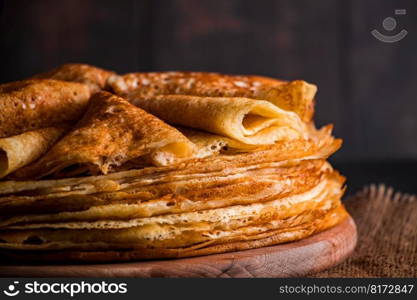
[[366, 88]]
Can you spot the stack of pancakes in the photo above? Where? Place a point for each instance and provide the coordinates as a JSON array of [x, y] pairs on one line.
[[97, 166]]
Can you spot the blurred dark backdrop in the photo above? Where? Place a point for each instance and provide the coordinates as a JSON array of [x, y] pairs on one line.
[[366, 88]]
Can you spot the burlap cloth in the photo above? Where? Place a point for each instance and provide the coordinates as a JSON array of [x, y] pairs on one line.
[[387, 242]]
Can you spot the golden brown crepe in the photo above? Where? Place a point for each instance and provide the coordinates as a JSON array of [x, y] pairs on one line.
[[242, 242], [249, 121], [95, 78], [296, 96], [111, 133], [34, 104], [164, 193], [280, 154], [20, 150], [244, 196], [182, 230]]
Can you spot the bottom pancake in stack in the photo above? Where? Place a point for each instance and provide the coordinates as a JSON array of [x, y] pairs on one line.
[[200, 207]]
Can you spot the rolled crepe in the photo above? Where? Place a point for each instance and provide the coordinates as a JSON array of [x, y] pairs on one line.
[[111, 133], [296, 96], [33, 104], [94, 78], [245, 120], [20, 150]]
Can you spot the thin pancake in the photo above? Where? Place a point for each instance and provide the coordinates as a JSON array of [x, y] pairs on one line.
[[20, 150], [111, 133], [246, 120], [147, 198], [167, 198], [272, 237], [95, 78], [251, 210], [34, 104], [296, 96], [157, 237], [165, 235], [208, 144]]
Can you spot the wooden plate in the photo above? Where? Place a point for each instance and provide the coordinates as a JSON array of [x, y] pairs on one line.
[[295, 259]]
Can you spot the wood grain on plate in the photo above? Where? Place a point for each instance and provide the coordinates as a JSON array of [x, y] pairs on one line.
[[295, 259]]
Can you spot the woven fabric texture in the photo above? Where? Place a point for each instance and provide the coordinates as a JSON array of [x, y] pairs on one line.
[[387, 235]]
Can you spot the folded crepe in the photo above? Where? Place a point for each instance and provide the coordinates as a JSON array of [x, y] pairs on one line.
[[112, 132], [34, 104], [296, 96], [20, 150], [95, 78], [248, 121], [208, 144]]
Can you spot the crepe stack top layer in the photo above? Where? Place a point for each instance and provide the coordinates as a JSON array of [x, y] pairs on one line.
[[161, 165]]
